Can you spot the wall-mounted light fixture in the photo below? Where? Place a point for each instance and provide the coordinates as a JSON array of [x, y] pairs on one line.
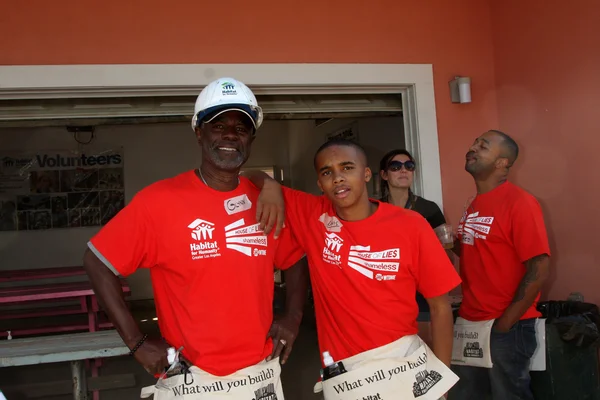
[[460, 89]]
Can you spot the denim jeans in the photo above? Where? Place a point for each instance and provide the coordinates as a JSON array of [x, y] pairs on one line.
[[509, 378]]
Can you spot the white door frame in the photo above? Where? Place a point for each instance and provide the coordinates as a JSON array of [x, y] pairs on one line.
[[413, 81]]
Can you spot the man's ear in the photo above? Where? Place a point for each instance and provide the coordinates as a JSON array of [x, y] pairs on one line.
[[502, 162], [368, 174], [198, 132]]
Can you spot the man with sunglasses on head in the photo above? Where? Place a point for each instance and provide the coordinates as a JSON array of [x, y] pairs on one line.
[[367, 259], [504, 262], [211, 264]]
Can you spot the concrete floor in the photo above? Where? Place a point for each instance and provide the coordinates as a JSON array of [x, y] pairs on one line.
[[299, 374]]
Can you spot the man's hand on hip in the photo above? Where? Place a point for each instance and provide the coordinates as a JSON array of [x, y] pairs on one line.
[[152, 354]]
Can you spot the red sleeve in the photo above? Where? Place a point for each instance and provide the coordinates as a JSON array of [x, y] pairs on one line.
[[528, 230], [435, 273], [288, 251], [128, 241], [299, 206]]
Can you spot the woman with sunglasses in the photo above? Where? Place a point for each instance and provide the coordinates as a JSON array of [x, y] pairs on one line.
[[396, 174]]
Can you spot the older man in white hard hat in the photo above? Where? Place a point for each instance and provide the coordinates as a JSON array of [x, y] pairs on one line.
[[211, 263]]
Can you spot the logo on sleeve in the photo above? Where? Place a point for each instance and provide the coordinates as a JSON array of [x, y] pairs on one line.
[[237, 204]]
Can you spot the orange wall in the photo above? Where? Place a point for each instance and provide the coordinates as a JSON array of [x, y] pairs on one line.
[[454, 36], [547, 59], [542, 57]]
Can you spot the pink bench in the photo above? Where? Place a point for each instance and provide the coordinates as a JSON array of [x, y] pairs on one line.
[[41, 273], [34, 297], [33, 301]]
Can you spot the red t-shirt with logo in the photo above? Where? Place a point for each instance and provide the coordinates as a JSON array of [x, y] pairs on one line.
[[499, 231], [211, 268], [365, 273]]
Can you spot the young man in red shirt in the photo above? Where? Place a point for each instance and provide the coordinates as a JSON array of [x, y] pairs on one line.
[[366, 258], [504, 261], [211, 266]]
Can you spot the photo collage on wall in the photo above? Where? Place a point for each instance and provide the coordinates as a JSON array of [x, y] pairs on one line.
[[57, 190]]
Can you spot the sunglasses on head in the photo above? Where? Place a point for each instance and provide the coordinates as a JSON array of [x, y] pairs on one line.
[[397, 165]]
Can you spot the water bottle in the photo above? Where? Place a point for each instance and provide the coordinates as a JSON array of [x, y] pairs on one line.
[[331, 368], [176, 366]]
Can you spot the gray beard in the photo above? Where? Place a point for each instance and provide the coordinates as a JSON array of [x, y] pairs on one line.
[[229, 164]]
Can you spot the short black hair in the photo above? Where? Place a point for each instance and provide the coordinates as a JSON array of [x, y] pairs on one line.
[[340, 142], [511, 147]]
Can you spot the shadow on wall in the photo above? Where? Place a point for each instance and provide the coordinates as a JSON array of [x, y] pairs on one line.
[[553, 250], [516, 176]]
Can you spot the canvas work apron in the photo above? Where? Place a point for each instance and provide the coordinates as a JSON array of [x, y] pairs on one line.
[[404, 369], [257, 382], [472, 347]]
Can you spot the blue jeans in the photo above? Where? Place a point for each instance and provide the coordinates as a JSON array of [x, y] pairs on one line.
[[509, 378]]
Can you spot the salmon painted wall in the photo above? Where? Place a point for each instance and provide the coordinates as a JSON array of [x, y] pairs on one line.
[[547, 58], [453, 36]]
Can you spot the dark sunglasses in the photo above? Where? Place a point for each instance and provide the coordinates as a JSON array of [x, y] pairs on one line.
[[397, 165]]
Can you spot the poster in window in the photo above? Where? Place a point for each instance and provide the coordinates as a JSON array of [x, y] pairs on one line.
[[60, 189]]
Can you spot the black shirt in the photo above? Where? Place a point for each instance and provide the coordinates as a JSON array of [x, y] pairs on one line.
[[429, 210], [432, 213]]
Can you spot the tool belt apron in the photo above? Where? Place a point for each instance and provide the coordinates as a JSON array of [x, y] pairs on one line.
[[472, 347], [402, 370], [471, 344], [258, 382]]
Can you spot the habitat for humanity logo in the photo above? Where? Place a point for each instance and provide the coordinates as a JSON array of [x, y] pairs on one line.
[[265, 393], [473, 350], [10, 162], [333, 244], [425, 380], [202, 232], [248, 240], [228, 88]]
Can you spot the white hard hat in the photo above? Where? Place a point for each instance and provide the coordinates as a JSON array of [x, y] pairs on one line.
[[226, 94]]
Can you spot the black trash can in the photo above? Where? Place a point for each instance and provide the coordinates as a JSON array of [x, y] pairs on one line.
[[572, 338]]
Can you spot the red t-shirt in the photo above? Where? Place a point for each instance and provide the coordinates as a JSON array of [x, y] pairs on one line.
[[499, 231], [365, 273], [211, 269]]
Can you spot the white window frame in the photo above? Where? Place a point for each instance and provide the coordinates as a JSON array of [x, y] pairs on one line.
[[413, 81]]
